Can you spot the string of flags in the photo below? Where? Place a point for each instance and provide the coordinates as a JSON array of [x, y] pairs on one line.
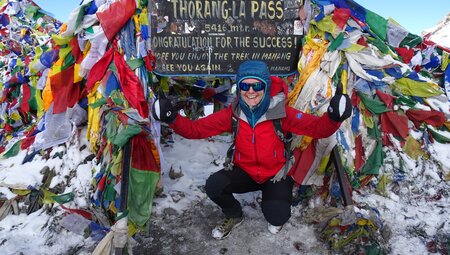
[[96, 70]]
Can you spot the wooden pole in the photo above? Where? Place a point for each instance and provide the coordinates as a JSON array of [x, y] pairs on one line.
[[126, 161], [342, 177]]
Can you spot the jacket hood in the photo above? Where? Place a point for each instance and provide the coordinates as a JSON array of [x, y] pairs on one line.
[[254, 69], [278, 86], [257, 70], [276, 109]]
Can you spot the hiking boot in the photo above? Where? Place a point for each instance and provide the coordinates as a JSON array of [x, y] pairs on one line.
[[274, 229], [223, 230]]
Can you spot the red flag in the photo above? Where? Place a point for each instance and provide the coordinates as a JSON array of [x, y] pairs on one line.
[[406, 54], [362, 41], [142, 154], [395, 124], [98, 70], [76, 52], [27, 142], [65, 93], [387, 99], [116, 16], [131, 86], [359, 153], [341, 16], [26, 94], [302, 163], [85, 214], [433, 118]]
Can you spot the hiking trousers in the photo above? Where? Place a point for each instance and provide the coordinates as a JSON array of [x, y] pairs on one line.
[[276, 197]]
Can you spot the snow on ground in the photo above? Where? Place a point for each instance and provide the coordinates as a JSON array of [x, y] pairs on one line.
[[416, 208], [440, 33]]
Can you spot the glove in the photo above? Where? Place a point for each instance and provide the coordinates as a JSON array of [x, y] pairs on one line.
[[340, 107], [164, 111]]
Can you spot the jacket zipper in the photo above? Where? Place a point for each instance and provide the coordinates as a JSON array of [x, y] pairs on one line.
[[256, 149]]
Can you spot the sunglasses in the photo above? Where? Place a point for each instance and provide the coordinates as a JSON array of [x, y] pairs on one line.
[[257, 86]]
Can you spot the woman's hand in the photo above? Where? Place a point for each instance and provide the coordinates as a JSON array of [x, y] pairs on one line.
[[163, 110], [340, 107]]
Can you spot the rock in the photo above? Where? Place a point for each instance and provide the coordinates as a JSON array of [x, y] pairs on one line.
[[175, 174], [169, 211], [89, 158], [177, 195]]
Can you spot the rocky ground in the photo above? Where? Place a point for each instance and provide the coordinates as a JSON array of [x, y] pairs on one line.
[[190, 233]]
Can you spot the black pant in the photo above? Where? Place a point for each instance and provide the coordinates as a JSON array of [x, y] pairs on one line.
[[276, 197]]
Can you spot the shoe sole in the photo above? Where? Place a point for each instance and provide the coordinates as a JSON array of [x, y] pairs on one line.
[[235, 226], [274, 233]]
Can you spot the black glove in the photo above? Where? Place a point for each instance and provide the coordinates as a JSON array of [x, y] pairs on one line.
[[163, 110], [340, 107]]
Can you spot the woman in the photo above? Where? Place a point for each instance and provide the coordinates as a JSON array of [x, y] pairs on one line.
[[259, 152]]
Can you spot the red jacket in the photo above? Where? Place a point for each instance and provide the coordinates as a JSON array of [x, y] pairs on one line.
[[259, 151]]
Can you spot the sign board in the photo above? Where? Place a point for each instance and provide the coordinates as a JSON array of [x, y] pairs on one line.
[[212, 37]]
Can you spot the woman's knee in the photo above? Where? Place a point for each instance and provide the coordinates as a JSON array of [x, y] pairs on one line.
[[276, 212], [215, 184]]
